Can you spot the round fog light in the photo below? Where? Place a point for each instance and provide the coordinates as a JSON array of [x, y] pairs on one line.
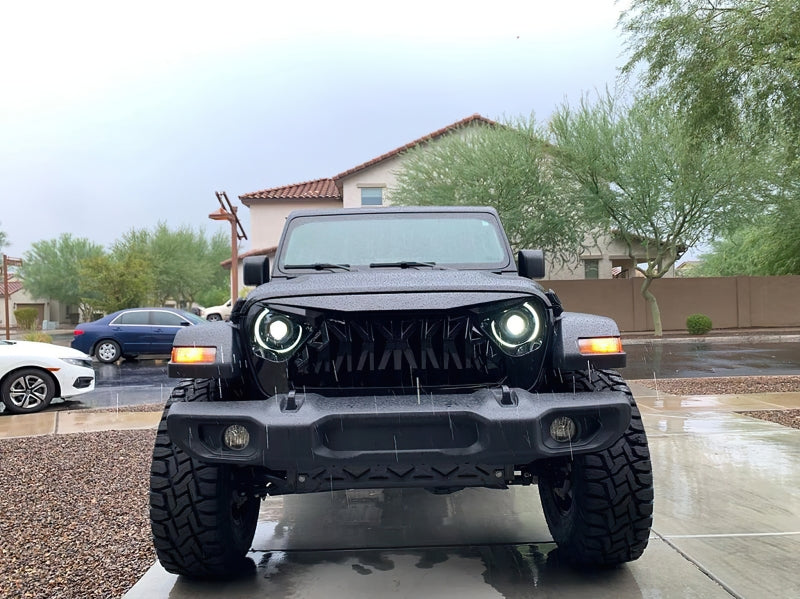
[[236, 437], [563, 429]]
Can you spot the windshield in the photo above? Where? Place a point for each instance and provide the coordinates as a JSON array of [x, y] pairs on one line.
[[193, 318], [361, 240]]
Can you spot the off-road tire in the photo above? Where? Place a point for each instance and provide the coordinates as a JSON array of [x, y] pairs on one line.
[[202, 527], [599, 506]]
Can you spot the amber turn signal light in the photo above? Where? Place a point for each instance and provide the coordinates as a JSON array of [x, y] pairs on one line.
[[600, 345], [194, 355]]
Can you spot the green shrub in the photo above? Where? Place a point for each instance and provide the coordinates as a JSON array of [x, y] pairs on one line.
[[38, 336], [26, 318], [698, 324]]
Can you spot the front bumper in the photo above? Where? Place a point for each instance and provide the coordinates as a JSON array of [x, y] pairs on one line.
[[299, 433], [75, 380]]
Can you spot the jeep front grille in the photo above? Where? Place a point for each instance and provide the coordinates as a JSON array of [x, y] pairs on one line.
[[396, 353]]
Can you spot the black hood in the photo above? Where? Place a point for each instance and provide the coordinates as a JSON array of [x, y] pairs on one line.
[[402, 289]]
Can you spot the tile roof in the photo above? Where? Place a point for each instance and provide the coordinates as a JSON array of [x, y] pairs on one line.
[[329, 188], [308, 190], [13, 287], [475, 118]]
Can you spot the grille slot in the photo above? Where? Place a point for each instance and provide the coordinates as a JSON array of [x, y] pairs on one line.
[[400, 352]]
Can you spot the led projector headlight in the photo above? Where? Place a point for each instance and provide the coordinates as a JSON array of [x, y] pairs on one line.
[[276, 336], [518, 330]]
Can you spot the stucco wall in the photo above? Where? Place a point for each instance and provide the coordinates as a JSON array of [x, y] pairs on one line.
[[730, 302], [381, 175], [267, 218], [608, 251]]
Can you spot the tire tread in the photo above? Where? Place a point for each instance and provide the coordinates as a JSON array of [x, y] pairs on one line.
[[189, 535], [613, 512]]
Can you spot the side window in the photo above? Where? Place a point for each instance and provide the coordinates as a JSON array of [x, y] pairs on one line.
[[135, 317], [166, 319], [591, 269], [372, 196]]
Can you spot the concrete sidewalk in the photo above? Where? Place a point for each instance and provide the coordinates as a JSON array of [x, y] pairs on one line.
[[52, 422]]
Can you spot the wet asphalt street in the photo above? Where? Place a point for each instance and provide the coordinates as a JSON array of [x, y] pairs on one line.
[[691, 359], [131, 382]]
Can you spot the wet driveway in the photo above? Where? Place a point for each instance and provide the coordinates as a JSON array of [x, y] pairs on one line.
[[727, 524]]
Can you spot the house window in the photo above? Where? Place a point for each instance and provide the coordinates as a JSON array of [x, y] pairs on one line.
[[372, 196], [591, 269]]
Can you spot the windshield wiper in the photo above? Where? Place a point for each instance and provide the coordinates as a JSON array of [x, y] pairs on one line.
[[318, 266], [403, 264]]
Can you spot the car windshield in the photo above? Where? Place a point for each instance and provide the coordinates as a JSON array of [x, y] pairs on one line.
[[193, 318], [407, 240]]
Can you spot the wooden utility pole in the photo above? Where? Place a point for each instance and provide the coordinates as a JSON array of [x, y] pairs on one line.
[[6, 263], [227, 211]]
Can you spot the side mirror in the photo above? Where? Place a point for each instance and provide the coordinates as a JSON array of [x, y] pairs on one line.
[[256, 270], [531, 264]]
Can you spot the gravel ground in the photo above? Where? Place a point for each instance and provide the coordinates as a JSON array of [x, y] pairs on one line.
[[75, 521], [725, 386], [784, 417]]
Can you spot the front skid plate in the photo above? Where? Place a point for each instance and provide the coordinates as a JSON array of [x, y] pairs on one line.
[[301, 433]]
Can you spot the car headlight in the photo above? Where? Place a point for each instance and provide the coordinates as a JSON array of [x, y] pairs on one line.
[[517, 331], [277, 336], [82, 362]]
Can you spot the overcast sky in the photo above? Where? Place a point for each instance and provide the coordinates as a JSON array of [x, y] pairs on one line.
[[118, 115]]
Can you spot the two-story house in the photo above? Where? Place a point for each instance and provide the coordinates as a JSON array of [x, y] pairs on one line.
[[371, 183]]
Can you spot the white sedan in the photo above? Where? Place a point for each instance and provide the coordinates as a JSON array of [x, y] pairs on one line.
[[222, 312], [32, 374]]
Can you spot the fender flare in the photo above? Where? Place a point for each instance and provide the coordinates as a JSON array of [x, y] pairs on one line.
[[571, 326], [219, 335]]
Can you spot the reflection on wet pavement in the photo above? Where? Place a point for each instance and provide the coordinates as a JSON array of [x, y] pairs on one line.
[[492, 571], [688, 359], [400, 518]]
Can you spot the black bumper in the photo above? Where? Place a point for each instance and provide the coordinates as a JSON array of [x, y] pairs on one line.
[[302, 433]]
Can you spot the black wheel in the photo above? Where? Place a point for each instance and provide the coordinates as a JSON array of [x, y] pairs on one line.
[[599, 506], [28, 390], [202, 524], [107, 351], [214, 317]]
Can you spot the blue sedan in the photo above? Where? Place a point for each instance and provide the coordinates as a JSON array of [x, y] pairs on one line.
[[128, 333]]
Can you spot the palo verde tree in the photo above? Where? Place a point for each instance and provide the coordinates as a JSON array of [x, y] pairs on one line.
[[503, 166], [52, 269], [769, 246], [654, 185], [721, 59], [113, 282], [183, 262], [725, 63]]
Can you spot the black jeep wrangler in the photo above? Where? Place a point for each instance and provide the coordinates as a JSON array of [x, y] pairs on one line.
[[398, 347]]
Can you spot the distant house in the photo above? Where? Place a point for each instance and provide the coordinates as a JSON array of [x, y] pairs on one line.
[[370, 184], [18, 297]]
